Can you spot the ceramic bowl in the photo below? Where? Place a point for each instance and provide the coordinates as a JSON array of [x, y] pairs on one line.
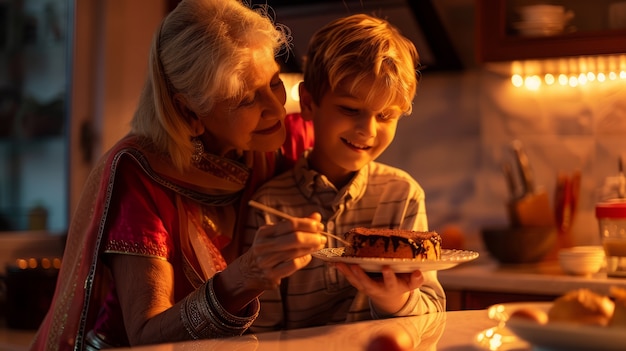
[[513, 245], [581, 260]]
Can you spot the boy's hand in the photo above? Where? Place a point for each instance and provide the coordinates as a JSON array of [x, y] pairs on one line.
[[389, 293]]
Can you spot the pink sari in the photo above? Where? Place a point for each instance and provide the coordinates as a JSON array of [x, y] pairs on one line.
[[84, 279]]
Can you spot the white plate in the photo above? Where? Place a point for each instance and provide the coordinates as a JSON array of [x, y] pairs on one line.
[[499, 338], [449, 259], [558, 336]]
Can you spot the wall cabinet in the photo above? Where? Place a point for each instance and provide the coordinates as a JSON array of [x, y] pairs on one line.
[[596, 28]]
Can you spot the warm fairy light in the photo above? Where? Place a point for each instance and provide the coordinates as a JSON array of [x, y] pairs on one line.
[[45, 263], [568, 72], [22, 263], [591, 76], [32, 263], [517, 80], [532, 82]]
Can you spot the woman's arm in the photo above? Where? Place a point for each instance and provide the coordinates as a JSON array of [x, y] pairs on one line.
[[145, 287]]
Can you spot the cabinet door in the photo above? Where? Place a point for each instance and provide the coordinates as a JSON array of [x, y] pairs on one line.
[[106, 45], [35, 39], [593, 28]]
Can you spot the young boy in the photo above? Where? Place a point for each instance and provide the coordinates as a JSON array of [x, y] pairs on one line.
[[360, 77]]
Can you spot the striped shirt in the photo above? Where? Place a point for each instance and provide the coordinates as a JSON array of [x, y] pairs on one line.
[[379, 196]]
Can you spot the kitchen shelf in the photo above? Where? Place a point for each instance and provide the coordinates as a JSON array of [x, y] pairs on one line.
[[497, 41]]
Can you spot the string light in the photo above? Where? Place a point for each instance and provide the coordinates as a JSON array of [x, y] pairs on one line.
[[568, 72]]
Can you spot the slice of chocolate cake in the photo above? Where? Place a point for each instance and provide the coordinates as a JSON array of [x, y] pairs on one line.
[[393, 243]]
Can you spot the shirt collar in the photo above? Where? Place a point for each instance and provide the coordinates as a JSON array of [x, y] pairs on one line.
[[310, 182]]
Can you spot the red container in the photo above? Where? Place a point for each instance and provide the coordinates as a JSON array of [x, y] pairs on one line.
[[611, 217]]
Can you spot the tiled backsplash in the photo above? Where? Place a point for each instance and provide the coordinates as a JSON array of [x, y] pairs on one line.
[[461, 131]]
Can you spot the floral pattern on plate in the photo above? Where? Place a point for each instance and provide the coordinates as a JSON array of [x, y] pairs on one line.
[[449, 258]]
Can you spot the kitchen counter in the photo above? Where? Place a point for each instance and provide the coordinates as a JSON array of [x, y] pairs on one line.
[[473, 285], [484, 281], [452, 331]]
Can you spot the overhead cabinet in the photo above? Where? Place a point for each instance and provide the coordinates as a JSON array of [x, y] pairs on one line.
[[510, 30]]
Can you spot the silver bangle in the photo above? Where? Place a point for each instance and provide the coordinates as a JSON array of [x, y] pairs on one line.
[[227, 317], [203, 317]]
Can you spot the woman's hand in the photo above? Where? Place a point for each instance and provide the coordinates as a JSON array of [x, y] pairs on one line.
[[388, 293], [281, 249], [278, 251]]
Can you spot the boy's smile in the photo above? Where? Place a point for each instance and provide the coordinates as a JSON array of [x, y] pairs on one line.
[[356, 146], [352, 128]]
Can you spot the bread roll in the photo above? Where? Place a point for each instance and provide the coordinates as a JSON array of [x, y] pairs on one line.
[[530, 314], [618, 320], [582, 306]]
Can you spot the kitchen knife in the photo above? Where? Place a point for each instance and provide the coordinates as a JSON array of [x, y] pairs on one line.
[[532, 208], [526, 175], [512, 187]]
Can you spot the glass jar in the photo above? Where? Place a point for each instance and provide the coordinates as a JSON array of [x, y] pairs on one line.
[[611, 216]]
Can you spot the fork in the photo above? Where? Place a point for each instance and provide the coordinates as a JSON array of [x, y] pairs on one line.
[[284, 215]]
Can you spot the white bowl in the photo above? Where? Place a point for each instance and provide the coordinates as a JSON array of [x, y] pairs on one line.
[[581, 260]]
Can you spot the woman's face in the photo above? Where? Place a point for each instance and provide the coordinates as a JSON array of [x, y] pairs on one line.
[[254, 123]]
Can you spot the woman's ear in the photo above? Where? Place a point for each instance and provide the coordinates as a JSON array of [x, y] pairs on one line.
[[306, 103], [182, 108]]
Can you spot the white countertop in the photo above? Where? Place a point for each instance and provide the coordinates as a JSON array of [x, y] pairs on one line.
[[457, 333], [545, 278], [452, 331], [442, 331]]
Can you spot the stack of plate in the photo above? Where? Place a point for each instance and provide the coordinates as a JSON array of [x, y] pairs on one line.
[[543, 20]]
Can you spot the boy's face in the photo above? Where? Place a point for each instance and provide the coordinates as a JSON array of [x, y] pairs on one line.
[[350, 132]]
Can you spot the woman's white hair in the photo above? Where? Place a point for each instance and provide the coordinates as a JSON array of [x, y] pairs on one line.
[[201, 52]]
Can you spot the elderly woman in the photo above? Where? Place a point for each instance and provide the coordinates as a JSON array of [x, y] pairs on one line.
[[152, 253]]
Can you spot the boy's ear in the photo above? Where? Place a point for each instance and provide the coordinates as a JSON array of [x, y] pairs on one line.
[[306, 103], [180, 103]]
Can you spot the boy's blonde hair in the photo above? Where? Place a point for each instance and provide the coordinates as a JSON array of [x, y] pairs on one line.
[[202, 51], [354, 49]]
